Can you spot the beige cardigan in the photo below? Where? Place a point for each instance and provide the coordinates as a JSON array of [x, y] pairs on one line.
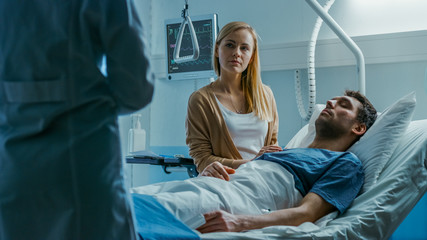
[[207, 135]]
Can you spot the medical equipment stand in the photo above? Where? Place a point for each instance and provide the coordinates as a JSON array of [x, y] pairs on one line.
[[166, 162]]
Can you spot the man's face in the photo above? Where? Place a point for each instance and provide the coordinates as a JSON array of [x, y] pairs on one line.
[[339, 117]]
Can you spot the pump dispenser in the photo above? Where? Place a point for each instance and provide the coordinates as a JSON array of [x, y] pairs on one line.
[[137, 135]]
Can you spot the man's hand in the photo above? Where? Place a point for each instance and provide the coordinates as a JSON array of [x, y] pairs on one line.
[[311, 209], [268, 149], [217, 170], [221, 221]]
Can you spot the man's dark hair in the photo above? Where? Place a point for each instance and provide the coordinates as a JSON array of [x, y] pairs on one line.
[[367, 114]]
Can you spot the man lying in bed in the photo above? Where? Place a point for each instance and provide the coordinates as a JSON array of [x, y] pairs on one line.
[[310, 183]]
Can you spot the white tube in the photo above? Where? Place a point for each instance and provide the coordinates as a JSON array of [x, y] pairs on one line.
[[310, 70]]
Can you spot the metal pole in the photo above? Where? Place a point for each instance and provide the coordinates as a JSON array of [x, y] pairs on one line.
[[345, 39]]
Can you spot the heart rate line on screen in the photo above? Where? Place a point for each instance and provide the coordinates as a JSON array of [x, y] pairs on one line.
[[200, 61], [204, 30], [204, 42], [190, 49]]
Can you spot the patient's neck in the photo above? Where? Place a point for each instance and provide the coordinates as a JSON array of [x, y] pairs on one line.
[[336, 144]]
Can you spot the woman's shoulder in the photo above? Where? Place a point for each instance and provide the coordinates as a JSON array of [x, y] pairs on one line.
[[267, 88], [271, 101], [202, 102], [203, 94], [268, 91]]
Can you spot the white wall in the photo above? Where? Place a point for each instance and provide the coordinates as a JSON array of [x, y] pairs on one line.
[[284, 21]]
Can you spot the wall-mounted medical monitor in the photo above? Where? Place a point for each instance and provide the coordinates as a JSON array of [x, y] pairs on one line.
[[206, 28]]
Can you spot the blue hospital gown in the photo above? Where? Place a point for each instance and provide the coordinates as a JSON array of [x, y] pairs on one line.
[[335, 176]]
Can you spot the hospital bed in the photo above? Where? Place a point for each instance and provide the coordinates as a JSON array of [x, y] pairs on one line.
[[397, 149], [377, 211]]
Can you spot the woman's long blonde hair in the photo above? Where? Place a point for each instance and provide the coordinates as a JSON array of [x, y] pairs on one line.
[[253, 89]]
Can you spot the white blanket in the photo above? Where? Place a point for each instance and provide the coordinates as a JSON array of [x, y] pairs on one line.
[[255, 188]]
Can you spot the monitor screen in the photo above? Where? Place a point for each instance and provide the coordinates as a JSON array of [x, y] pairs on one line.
[[206, 28]]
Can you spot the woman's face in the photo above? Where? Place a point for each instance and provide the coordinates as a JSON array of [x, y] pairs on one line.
[[235, 51]]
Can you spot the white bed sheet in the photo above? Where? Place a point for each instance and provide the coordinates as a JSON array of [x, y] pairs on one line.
[[261, 185], [376, 213]]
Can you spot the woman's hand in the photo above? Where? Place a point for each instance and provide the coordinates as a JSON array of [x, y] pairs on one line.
[[216, 169], [268, 149]]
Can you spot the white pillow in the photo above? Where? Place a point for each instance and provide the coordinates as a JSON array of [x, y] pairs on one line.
[[376, 146], [305, 136]]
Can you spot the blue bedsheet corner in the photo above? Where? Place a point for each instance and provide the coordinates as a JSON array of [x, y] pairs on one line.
[[154, 222]]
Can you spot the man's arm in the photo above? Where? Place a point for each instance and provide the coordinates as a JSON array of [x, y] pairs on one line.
[[312, 208]]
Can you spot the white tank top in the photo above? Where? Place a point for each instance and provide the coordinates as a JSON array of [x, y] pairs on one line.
[[247, 131]]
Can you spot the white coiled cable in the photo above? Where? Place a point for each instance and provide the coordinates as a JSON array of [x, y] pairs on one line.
[[310, 71]]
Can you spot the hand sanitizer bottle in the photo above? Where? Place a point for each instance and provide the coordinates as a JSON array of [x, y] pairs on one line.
[[136, 141]]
